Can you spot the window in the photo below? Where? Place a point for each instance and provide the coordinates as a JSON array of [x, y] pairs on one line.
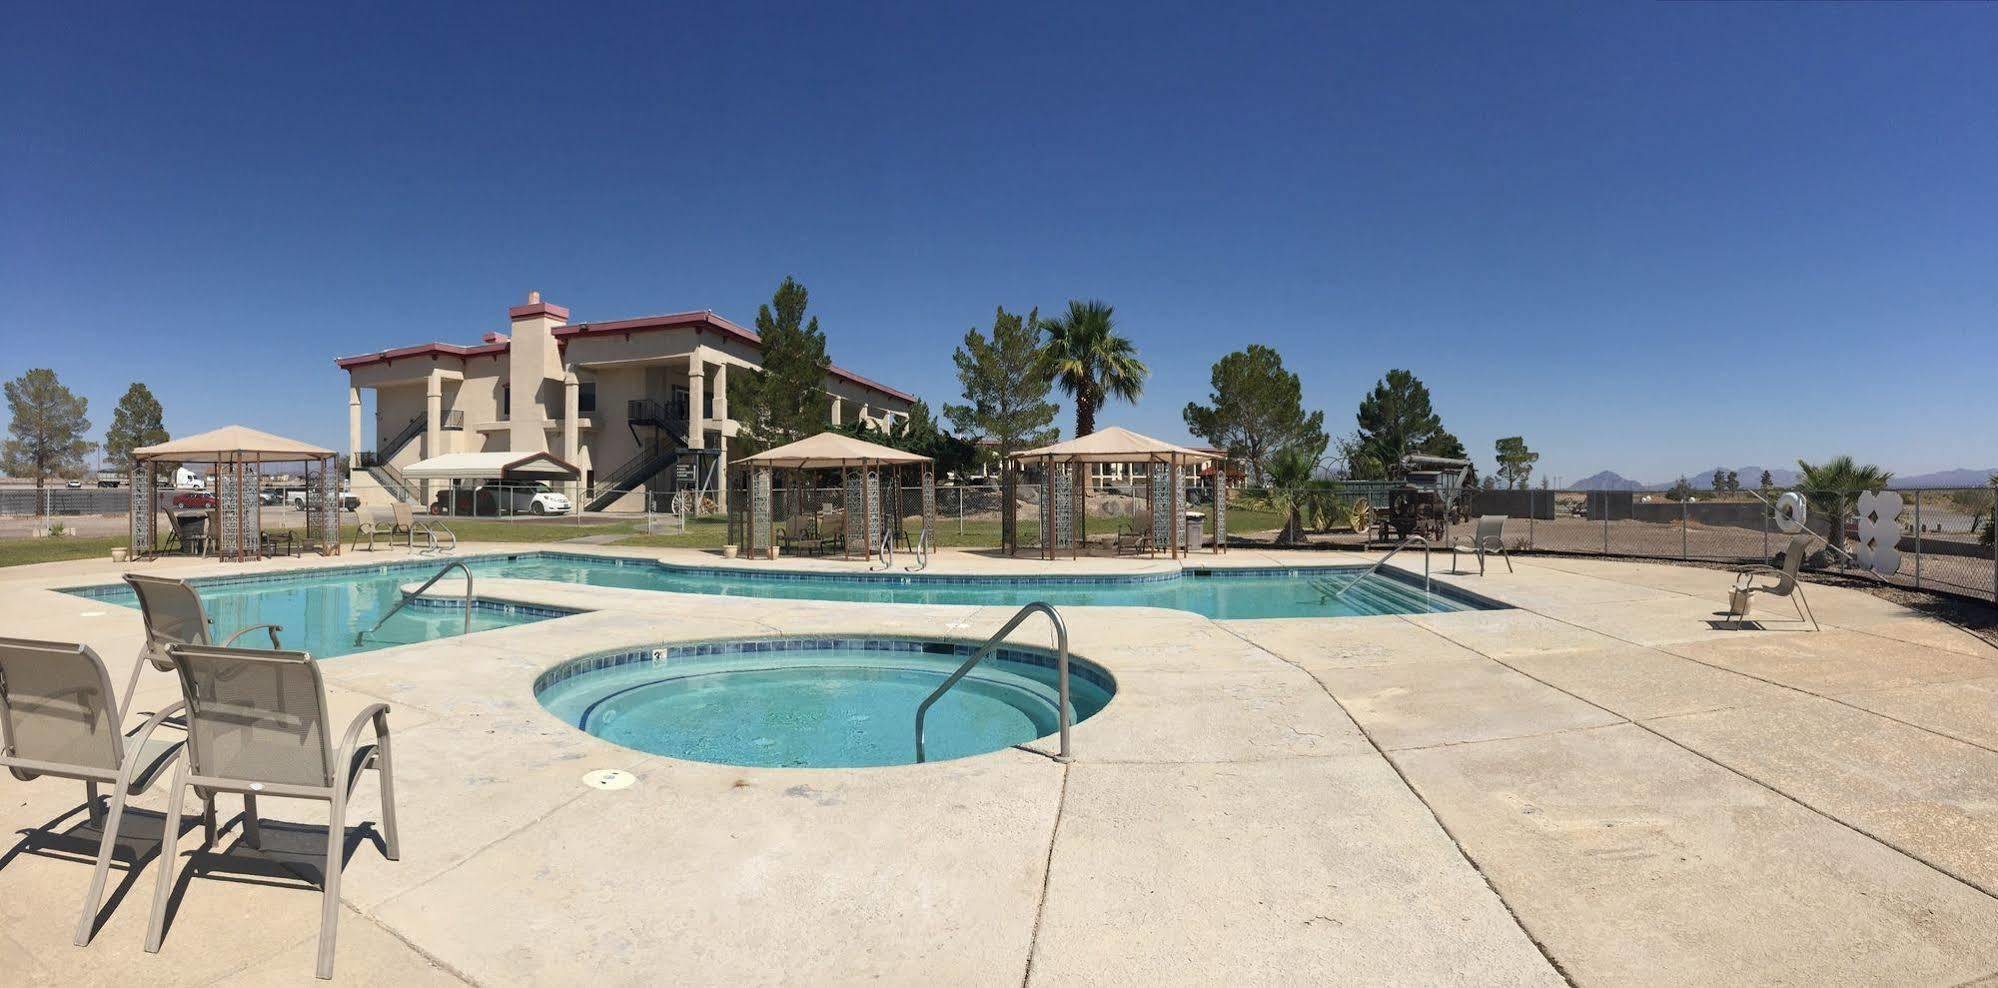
[[506, 401], [586, 398]]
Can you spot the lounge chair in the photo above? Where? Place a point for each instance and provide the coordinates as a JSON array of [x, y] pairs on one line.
[[174, 616], [1490, 537], [59, 718], [407, 522], [374, 521], [1136, 535], [1785, 583], [257, 725]]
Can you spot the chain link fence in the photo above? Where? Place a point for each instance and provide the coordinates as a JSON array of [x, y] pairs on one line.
[[1945, 541]]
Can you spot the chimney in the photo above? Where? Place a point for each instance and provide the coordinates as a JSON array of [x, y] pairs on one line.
[[533, 362]]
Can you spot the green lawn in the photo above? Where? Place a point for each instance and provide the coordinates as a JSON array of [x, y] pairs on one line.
[[702, 533], [21, 552]]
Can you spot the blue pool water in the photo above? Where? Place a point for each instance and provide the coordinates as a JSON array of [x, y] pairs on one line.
[[816, 703], [1223, 594], [322, 612]]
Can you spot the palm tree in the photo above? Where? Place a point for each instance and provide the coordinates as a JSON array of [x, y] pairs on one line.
[[1289, 480], [1833, 488], [1085, 356]]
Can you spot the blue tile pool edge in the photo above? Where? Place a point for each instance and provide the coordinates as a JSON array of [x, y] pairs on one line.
[[1079, 668], [1448, 591]]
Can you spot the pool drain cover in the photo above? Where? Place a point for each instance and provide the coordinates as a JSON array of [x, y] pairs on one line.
[[609, 778]]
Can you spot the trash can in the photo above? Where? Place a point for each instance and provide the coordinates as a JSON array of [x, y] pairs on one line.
[[1196, 528]]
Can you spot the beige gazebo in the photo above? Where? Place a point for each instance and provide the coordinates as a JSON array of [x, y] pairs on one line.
[[861, 466], [238, 454], [1165, 471]]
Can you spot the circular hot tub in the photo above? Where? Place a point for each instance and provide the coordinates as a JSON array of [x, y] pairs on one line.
[[834, 702]]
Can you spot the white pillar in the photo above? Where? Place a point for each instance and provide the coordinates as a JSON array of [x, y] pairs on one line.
[[697, 397], [433, 427], [353, 426], [835, 410], [571, 410], [721, 426]]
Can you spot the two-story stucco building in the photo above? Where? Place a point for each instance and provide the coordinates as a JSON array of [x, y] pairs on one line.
[[638, 405]]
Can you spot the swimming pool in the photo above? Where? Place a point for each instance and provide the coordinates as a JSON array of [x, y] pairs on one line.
[[1219, 593], [817, 702], [322, 611]]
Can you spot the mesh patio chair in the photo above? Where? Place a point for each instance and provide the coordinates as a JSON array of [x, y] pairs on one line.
[[59, 718], [257, 725], [174, 616], [407, 523], [1784, 583], [1136, 535], [373, 521], [1490, 537]]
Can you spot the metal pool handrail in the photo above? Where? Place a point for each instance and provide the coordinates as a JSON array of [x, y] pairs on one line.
[[992, 644], [427, 584], [1375, 568], [922, 550], [887, 548]]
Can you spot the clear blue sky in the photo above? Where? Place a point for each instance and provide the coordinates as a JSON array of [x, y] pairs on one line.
[[1648, 237]]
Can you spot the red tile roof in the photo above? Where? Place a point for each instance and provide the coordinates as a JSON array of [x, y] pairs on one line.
[[673, 320]]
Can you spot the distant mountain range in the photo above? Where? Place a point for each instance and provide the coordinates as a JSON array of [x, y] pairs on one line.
[[1610, 480]]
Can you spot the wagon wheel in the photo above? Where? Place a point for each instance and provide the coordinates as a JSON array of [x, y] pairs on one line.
[[1362, 516]]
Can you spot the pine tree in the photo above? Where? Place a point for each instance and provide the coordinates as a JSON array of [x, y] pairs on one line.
[[135, 422], [787, 400], [45, 434]]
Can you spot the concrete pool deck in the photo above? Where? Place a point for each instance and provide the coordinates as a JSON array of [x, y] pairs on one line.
[[1597, 785]]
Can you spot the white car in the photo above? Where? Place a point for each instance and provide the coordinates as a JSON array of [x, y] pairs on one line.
[[296, 498], [535, 499]]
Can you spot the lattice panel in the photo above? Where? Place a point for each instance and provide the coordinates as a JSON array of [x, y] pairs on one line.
[[929, 502], [1178, 522], [1220, 506], [1160, 488], [759, 510], [326, 524], [1063, 507], [854, 493], [145, 520], [872, 482]]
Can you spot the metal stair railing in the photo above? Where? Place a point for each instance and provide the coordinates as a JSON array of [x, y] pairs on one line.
[[386, 451], [991, 645], [1375, 568], [427, 584]]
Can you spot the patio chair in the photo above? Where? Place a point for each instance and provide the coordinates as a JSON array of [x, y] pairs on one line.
[[801, 536], [1490, 537], [1136, 535], [374, 521], [174, 616], [59, 718], [1785, 583], [257, 725], [407, 522]]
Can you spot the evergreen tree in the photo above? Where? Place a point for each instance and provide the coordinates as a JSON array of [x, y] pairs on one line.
[[1257, 411], [1397, 419], [45, 431], [1515, 461], [787, 400], [135, 422], [1005, 389]]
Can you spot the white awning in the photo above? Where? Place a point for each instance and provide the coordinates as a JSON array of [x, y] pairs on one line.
[[492, 466]]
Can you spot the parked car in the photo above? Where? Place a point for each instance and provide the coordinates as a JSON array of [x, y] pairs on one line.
[[535, 499], [194, 500], [270, 496], [296, 498]]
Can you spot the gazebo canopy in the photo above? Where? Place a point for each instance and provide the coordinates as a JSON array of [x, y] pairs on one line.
[[829, 450], [492, 466], [232, 444], [1114, 445]]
